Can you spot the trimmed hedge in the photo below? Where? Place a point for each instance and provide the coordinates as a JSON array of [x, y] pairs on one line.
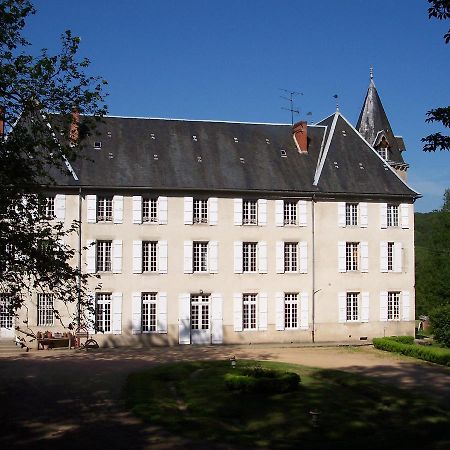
[[402, 339], [257, 379], [433, 354]]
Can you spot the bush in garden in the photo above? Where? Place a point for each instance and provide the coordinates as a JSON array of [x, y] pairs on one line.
[[440, 324]]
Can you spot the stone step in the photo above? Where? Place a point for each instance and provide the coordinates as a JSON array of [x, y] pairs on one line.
[[9, 346]]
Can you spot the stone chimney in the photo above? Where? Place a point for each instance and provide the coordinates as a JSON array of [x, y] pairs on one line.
[[74, 127], [300, 135]]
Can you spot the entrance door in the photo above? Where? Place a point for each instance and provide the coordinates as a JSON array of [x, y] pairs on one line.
[[6, 319], [200, 319]]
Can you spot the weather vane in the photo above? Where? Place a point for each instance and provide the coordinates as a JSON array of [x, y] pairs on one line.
[[336, 97], [290, 99]]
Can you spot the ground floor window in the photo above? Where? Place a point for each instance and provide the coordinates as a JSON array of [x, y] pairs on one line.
[[103, 313], [45, 309], [148, 317], [6, 318], [393, 306], [200, 312], [290, 310], [249, 311], [352, 308]]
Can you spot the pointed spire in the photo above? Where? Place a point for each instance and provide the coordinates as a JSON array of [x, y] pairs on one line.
[[372, 83]]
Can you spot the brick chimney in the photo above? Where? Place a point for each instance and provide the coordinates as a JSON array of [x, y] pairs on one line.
[[74, 127], [2, 121], [300, 135]]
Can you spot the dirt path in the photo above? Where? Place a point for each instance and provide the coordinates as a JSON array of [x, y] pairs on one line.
[[66, 399]]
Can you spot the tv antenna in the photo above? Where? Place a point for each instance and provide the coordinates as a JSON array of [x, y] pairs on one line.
[[290, 99]]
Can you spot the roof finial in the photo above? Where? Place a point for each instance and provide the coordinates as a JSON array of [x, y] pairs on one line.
[[336, 97], [371, 72]]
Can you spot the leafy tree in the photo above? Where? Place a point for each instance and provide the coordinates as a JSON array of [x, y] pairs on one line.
[[440, 323], [38, 94], [446, 205], [439, 9]]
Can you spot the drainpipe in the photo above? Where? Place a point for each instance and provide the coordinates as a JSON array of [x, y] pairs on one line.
[[313, 272], [79, 258]]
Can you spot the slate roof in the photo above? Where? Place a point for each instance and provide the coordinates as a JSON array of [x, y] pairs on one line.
[[373, 121], [182, 155]]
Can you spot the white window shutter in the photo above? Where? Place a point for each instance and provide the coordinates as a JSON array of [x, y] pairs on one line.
[[302, 213], [304, 310], [216, 318], [213, 256], [398, 257], [91, 201], [364, 307], [213, 210], [184, 321], [238, 211], [383, 306], [116, 313], [262, 211], [383, 256], [60, 207], [303, 250], [117, 256], [237, 311], [279, 213], [364, 257], [137, 209], [341, 257], [342, 304], [363, 215], [162, 210], [279, 255], [383, 215], [404, 212], [279, 311], [188, 210], [137, 256], [136, 311], [162, 256], [188, 256], [262, 257], [90, 255], [341, 214], [118, 208], [405, 305], [238, 257], [90, 312], [161, 309], [262, 311]]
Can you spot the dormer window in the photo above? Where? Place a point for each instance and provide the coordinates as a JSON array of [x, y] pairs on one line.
[[383, 148]]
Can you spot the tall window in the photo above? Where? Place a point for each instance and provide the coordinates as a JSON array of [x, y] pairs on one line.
[[104, 256], [45, 309], [104, 209], [351, 214], [249, 257], [249, 216], [390, 256], [148, 315], [200, 257], [200, 211], [392, 215], [393, 307], [351, 256], [290, 310], [290, 213], [290, 256], [200, 312], [6, 318], [149, 259], [352, 309], [149, 209], [49, 208], [249, 311], [103, 313]]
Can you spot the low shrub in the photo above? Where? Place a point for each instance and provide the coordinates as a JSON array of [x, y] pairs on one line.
[[402, 339], [440, 324], [260, 380], [433, 354]]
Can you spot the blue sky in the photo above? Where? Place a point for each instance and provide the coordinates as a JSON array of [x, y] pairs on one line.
[[220, 60]]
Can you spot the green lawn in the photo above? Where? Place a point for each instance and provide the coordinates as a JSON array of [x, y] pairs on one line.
[[190, 399]]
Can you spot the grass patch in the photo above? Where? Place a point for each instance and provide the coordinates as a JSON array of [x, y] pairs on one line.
[[191, 400], [433, 354]]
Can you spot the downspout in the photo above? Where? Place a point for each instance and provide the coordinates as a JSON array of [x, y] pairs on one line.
[[79, 260], [313, 272]]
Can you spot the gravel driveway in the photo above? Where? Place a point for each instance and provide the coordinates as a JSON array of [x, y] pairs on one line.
[[62, 399]]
